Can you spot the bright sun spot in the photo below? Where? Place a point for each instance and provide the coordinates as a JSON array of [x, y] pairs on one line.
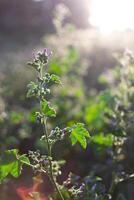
[[112, 15]]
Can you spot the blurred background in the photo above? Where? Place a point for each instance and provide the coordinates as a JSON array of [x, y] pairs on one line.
[[84, 36]]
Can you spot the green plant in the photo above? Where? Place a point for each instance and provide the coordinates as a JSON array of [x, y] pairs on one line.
[[117, 118], [111, 115], [11, 162]]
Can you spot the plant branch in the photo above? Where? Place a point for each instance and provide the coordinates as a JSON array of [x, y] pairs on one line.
[[49, 148], [50, 162]]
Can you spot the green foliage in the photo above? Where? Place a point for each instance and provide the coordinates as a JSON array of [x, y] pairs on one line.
[[47, 110], [55, 79], [62, 66], [32, 116], [104, 140], [111, 112], [96, 108], [11, 163], [79, 134], [16, 117]]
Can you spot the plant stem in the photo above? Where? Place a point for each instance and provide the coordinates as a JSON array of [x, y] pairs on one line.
[[49, 148], [113, 184], [50, 162]]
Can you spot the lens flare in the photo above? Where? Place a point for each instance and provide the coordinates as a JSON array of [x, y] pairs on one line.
[[112, 15], [33, 192]]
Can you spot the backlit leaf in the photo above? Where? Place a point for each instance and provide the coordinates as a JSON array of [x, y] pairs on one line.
[[79, 134], [101, 139], [55, 78], [47, 109], [11, 163]]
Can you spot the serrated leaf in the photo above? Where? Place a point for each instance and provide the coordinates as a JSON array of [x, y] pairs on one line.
[[11, 163], [24, 159], [55, 79], [48, 111], [79, 134], [16, 169], [7, 163]]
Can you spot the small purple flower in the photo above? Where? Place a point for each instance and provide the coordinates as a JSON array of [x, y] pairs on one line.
[[47, 53]]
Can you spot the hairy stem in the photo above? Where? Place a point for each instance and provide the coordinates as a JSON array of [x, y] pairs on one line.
[[50, 162], [49, 150]]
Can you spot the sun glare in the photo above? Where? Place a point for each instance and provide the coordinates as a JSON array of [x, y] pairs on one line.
[[112, 15]]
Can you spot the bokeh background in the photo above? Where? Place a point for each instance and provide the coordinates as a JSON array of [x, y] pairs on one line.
[[82, 56]]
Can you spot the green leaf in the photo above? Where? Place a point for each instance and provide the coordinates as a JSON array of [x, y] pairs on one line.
[[16, 169], [55, 79], [94, 112], [24, 159], [11, 163], [55, 67], [47, 109], [7, 163], [101, 139], [32, 116], [79, 134]]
